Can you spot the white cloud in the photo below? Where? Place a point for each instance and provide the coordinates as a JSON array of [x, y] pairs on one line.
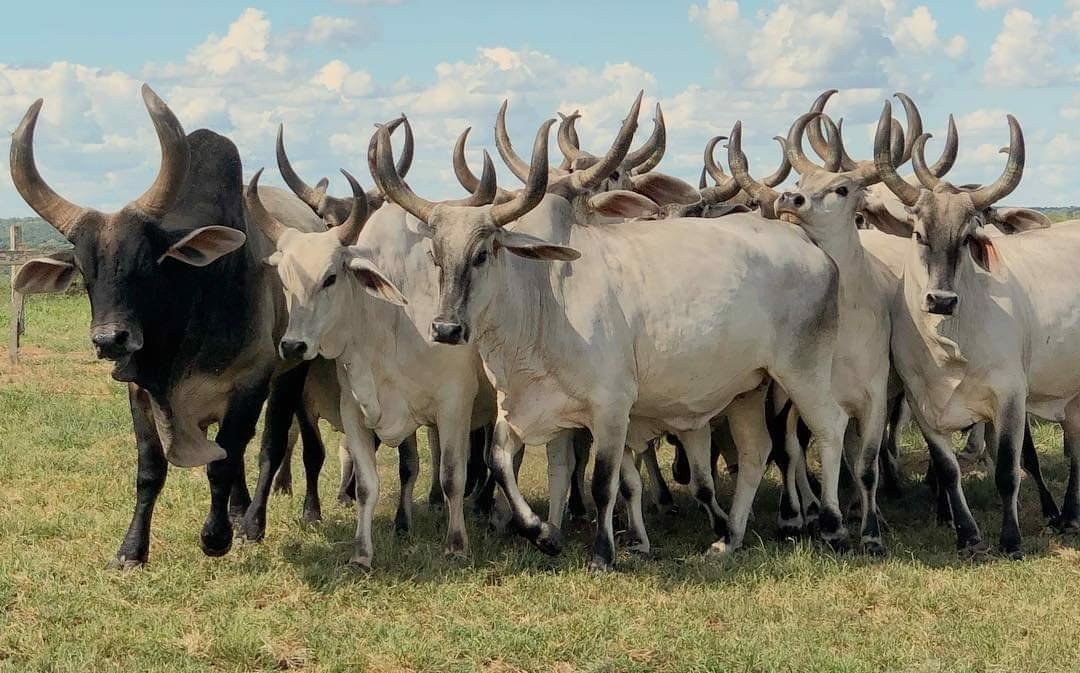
[[994, 4], [1071, 110], [1025, 54], [246, 42]]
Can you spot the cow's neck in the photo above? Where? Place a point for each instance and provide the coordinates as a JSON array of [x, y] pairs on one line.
[[851, 259]]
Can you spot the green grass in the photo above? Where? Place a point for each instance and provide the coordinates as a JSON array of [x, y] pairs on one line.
[[66, 490]]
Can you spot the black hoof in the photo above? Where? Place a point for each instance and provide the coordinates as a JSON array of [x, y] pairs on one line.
[[122, 562], [975, 551], [789, 533], [549, 540], [838, 544], [873, 548], [599, 564], [252, 530], [359, 566], [1013, 555], [216, 545], [401, 522], [284, 488], [312, 517]]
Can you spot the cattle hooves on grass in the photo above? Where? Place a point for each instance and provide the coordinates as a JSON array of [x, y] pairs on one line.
[[215, 547], [1014, 555], [124, 563], [873, 548], [598, 564], [1061, 526], [839, 544], [360, 565], [252, 531], [975, 551], [720, 549], [311, 517], [283, 486], [549, 540]]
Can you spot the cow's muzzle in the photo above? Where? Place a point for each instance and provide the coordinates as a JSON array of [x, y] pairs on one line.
[[114, 341], [449, 332], [940, 302], [295, 349]]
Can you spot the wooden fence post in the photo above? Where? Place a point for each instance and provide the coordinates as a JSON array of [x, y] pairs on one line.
[[18, 305]]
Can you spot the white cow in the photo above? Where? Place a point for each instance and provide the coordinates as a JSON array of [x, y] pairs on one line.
[[985, 329], [667, 325]]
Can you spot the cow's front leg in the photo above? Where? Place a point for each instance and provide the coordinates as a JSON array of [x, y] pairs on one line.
[[506, 445], [453, 438], [609, 438], [631, 488], [746, 418], [1007, 433], [871, 429], [149, 480], [946, 472], [237, 429], [361, 442], [314, 456]]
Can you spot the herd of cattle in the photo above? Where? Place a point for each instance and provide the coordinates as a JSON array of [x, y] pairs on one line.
[[598, 308]]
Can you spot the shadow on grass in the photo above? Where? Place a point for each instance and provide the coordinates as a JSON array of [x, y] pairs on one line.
[[913, 538]]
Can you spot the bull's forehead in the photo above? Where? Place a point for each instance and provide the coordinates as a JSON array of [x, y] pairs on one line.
[[817, 183], [119, 236], [460, 230], [307, 258], [946, 216]]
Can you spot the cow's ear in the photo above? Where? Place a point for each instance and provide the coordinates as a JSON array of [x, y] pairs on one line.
[[274, 259], [44, 275], [623, 203], [665, 189], [531, 247], [985, 254], [1015, 220], [374, 281], [205, 245]]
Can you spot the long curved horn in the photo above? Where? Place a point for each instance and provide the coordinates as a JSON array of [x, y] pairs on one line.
[[814, 133], [350, 229], [918, 162], [53, 208], [405, 162], [535, 186], [703, 182], [984, 197], [795, 155], [646, 157], [740, 168], [724, 182], [905, 191], [781, 173], [516, 164], [313, 197], [567, 138], [484, 192], [266, 222], [391, 184], [948, 155], [914, 125], [834, 154], [162, 195], [465, 175], [592, 175]]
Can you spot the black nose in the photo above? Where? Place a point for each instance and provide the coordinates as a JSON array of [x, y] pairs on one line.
[[796, 200], [292, 349], [447, 332], [941, 303], [111, 342]]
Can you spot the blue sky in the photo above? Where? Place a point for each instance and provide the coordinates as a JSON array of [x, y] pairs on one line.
[[328, 70]]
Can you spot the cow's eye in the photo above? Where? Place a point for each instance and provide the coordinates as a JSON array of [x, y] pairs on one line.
[[481, 257], [841, 191], [330, 280]]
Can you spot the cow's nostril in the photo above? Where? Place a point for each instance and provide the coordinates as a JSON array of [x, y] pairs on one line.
[[799, 200], [292, 349], [447, 332]]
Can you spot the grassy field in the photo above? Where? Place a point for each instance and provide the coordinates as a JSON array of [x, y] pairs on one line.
[[67, 486]]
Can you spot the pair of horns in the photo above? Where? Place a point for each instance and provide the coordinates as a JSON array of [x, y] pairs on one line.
[[347, 232], [63, 214], [982, 197], [637, 162]]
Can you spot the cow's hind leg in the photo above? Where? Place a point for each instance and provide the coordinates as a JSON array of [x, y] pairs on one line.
[[314, 456], [1029, 460], [1069, 521], [630, 487], [609, 437], [697, 446], [408, 469], [889, 457], [946, 470], [285, 401], [149, 480], [658, 488], [581, 440], [476, 473], [283, 480], [560, 455], [236, 430]]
